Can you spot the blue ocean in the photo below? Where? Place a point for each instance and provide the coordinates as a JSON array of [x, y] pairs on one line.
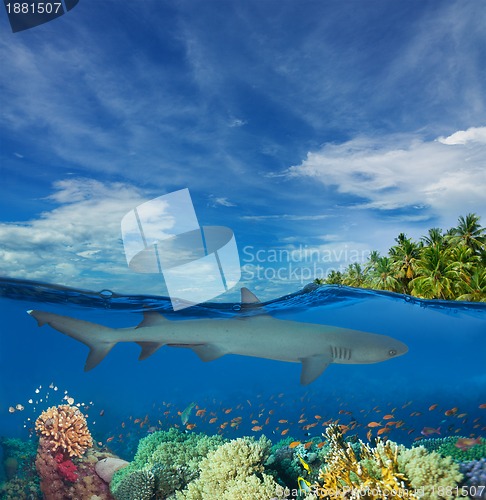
[[438, 385]]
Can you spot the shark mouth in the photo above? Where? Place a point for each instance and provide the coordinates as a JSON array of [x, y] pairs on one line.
[[342, 353]]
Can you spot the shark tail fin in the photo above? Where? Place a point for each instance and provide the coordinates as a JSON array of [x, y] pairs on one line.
[[96, 337]]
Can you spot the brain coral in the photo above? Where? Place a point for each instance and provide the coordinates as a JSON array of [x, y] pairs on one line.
[[65, 429]]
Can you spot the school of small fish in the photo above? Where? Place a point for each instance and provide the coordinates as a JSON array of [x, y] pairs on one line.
[[271, 416]]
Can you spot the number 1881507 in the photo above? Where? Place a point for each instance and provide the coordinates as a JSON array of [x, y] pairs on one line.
[[33, 8]]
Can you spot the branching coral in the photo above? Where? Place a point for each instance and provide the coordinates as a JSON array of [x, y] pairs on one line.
[[434, 476], [65, 430], [234, 471], [372, 475]]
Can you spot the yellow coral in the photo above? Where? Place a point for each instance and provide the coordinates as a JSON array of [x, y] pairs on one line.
[[234, 471], [65, 430], [430, 474], [374, 474]]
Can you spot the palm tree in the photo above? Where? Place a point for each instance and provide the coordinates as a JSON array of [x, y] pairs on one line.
[[470, 233], [404, 255], [436, 275], [334, 278], [383, 275], [435, 238], [355, 275], [475, 289]]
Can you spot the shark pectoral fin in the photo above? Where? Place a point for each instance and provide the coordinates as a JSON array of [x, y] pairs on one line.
[[151, 318], [97, 353], [248, 297], [208, 352], [148, 348], [313, 367]]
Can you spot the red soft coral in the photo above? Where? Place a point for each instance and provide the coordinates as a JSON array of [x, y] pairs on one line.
[[66, 468]]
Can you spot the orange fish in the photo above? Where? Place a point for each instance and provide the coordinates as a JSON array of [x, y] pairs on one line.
[[254, 421], [465, 444], [450, 412], [320, 445], [267, 421], [110, 439], [374, 424], [317, 417], [302, 420], [228, 410], [482, 406], [200, 413], [308, 445], [284, 432], [123, 425], [256, 428], [387, 417], [282, 421], [213, 420], [137, 420], [294, 444], [433, 407], [382, 430], [189, 427], [368, 435]]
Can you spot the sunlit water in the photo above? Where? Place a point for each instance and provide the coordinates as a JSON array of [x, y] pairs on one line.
[[445, 366]]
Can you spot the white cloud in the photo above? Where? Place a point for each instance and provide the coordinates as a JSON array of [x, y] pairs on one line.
[[400, 172], [473, 134], [222, 201], [78, 242]]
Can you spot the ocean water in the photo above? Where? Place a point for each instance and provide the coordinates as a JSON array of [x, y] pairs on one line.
[[444, 370]]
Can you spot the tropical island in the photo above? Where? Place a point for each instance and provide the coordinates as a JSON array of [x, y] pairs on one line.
[[447, 265]]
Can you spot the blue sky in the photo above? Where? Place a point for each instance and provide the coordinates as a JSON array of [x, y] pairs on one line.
[[327, 126]]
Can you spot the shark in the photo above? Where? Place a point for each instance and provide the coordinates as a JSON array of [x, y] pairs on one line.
[[316, 346]]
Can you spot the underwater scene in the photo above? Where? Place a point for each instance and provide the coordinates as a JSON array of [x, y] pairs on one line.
[[242, 250], [408, 422]]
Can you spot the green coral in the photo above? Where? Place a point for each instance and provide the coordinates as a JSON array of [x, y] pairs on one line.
[[430, 473], [235, 471], [447, 448], [172, 457], [139, 484]]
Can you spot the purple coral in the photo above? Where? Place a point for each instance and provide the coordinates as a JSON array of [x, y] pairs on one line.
[[475, 478]]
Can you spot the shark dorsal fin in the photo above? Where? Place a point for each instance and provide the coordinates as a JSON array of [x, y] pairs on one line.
[[208, 352], [151, 318], [97, 352], [312, 367], [148, 348], [248, 297]]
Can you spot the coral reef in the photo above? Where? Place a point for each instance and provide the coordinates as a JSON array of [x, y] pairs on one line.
[[235, 471], [446, 447], [62, 478], [474, 478], [65, 430], [172, 457], [22, 480], [374, 473], [435, 476], [139, 484]]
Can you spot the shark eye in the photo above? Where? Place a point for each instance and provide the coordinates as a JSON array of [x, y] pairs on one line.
[[392, 352]]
